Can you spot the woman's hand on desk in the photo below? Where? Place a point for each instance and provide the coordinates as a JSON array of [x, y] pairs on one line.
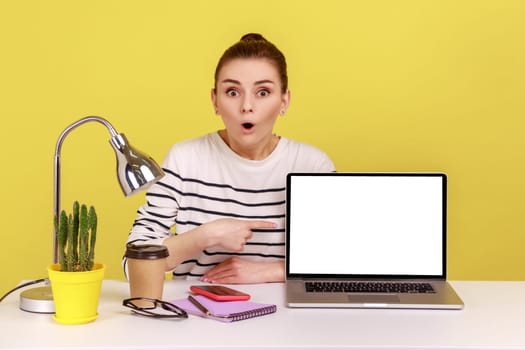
[[237, 270]]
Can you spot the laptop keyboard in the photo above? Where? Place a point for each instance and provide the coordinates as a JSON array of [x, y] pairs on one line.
[[369, 287]]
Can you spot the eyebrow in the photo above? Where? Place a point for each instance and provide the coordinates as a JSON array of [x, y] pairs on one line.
[[258, 82]]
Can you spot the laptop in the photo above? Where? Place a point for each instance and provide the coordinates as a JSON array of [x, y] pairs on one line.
[[367, 240]]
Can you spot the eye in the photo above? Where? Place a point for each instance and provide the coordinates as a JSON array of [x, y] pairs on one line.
[[232, 92], [263, 93]]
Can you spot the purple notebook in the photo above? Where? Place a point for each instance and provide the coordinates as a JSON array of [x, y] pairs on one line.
[[225, 311]]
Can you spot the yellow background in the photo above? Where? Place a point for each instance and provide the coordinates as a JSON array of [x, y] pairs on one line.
[[379, 85]]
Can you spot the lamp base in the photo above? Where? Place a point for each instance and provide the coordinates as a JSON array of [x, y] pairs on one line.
[[38, 300]]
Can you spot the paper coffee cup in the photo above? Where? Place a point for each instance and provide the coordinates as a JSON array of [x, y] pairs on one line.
[[146, 270]]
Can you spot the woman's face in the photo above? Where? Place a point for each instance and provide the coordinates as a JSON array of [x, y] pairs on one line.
[[248, 97]]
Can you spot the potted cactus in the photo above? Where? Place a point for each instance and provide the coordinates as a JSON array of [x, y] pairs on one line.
[[76, 279], [77, 235]]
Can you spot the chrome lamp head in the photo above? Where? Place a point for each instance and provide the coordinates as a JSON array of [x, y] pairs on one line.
[[135, 170]]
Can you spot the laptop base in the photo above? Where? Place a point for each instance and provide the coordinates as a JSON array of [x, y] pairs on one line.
[[445, 298]]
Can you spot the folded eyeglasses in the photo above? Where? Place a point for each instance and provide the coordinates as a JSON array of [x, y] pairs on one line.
[[155, 308]]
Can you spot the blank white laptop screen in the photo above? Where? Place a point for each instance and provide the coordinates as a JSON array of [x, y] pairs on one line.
[[366, 225]]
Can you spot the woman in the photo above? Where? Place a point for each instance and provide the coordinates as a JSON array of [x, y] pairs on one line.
[[224, 193]]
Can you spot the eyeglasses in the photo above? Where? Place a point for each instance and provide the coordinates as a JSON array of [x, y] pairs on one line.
[[156, 308]]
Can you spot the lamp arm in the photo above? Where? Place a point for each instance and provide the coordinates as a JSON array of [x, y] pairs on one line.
[[78, 123], [58, 148]]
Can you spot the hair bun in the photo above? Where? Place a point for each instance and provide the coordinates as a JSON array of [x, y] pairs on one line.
[[252, 37]]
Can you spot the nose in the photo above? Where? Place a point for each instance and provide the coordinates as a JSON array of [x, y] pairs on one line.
[[247, 106]]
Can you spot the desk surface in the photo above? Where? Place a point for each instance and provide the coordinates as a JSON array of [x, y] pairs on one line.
[[493, 318]]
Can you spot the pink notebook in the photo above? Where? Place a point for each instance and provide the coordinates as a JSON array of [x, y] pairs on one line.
[[225, 311]]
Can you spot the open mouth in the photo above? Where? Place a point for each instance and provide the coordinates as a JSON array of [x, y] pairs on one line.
[[247, 126]]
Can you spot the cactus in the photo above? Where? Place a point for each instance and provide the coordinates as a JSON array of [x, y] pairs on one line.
[[92, 218], [61, 229], [75, 229], [76, 236]]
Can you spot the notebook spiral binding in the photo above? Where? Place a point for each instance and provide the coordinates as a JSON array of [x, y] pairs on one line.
[[239, 316]]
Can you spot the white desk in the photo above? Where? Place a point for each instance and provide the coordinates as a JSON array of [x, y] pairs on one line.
[[493, 318]]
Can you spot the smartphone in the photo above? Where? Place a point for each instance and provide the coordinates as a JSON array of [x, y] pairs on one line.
[[219, 293]]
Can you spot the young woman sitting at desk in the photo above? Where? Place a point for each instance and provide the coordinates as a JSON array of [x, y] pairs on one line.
[[224, 192]]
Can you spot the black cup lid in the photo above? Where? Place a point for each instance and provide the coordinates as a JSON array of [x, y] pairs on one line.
[[146, 251]]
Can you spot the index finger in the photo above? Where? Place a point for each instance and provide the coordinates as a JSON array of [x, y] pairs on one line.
[[261, 224]]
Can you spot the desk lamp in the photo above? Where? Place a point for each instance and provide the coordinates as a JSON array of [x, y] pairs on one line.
[[135, 171]]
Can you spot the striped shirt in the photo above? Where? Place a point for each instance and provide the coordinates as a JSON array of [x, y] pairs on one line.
[[205, 180]]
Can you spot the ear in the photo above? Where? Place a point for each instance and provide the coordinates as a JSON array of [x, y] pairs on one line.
[[213, 95], [285, 102]]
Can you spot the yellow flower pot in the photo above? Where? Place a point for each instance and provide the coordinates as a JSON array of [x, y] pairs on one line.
[[76, 294]]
